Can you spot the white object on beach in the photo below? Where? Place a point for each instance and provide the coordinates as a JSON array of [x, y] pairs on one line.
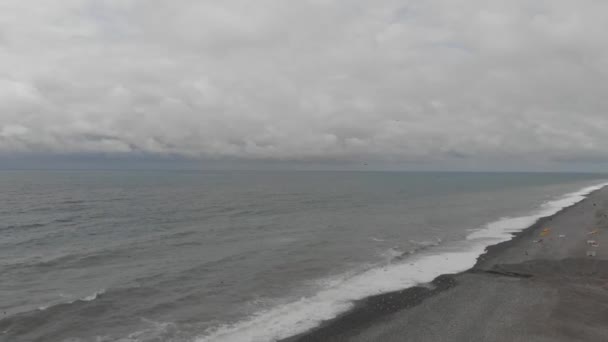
[[590, 253], [591, 242], [562, 236]]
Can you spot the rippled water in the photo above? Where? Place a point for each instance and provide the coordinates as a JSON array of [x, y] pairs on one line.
[[235, 256]]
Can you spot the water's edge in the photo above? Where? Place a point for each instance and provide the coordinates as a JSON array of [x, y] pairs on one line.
[[370, 310]]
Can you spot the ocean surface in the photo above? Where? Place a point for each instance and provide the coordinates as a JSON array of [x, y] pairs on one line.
[[240, 256]]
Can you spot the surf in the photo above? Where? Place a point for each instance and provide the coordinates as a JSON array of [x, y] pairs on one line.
[[340, 294]]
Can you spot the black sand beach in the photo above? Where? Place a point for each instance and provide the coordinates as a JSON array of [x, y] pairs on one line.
[[540, 286]]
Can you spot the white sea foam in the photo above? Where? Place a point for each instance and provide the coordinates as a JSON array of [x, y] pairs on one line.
[[93, 296], [156, 331], [502, 230], [83, 299], [392, 254], [306, 313], [338, 295]]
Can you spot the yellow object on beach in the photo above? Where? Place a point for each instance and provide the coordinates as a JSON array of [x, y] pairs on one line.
[[545, 232]]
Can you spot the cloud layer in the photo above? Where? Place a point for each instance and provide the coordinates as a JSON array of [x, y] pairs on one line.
[[403, 81]]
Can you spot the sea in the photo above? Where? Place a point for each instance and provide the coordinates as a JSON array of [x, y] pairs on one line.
[[197, 256]]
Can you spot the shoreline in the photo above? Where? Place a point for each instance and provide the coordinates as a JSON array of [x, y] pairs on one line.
[[498, 260]]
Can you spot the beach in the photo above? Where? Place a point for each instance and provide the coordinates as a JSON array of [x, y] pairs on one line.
[[205, 257], [548, 283]]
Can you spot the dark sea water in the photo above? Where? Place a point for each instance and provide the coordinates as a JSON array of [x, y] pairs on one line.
[[240, 256]]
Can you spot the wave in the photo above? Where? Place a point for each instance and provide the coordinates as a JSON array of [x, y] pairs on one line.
[[88, 298], [503, 229], [396, 254], [93, 296], [340, 294], [22, 227]]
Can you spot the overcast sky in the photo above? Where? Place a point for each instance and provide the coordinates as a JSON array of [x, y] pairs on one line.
[[463, 84]]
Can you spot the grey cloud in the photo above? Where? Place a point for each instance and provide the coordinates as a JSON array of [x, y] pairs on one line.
[[397, 81]]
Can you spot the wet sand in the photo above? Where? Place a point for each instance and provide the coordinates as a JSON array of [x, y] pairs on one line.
[[520, 290]]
